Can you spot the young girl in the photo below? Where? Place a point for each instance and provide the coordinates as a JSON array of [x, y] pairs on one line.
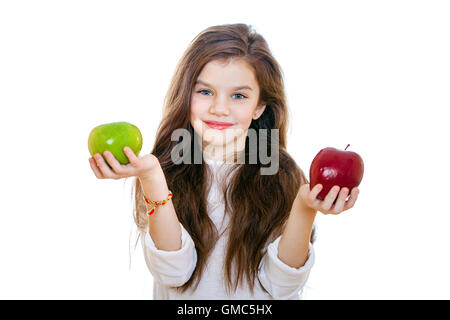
[[221, 229]]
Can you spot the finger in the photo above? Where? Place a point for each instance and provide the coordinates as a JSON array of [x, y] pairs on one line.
[[351, 201], [134, 160], [95, 168], [105, 170], [307, 194], [115, 165], [313, 195], [315, 192], [329, 198], [340, 202]]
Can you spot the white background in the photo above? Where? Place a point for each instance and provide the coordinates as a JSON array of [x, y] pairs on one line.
[[375, 74]]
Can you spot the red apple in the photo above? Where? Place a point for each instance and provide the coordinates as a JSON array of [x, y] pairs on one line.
[[332, 167]]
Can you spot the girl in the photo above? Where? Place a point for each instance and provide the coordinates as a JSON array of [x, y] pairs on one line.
[[223, 230]]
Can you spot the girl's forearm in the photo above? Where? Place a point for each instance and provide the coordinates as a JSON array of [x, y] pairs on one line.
[[294, 243], [164, 226]]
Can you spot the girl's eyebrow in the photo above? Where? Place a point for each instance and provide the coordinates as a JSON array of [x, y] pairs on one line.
[[235, 88]]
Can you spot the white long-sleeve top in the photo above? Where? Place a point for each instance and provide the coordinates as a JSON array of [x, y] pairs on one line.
[[171, 269]]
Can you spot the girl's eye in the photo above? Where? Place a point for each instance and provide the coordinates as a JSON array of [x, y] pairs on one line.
[[203, 91], [240, 95]]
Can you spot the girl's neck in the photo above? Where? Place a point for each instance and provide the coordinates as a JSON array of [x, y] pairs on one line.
[[222, 155]]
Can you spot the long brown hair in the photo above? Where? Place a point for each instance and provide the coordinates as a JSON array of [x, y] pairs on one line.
[[256, 215]]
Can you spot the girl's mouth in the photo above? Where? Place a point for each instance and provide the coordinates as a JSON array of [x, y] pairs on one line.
[[218, 125]]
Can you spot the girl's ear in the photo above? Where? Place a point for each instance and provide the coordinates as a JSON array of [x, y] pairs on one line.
[[259, 111]]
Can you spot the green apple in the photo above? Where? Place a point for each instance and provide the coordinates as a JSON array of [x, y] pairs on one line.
[[114, 137]]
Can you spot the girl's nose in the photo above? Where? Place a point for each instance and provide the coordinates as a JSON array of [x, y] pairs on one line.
[[219, 107]]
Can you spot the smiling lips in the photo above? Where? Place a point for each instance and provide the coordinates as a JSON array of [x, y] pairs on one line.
[[218, 125]]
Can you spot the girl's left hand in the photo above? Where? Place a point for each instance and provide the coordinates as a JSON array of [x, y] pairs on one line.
[[334, 202]]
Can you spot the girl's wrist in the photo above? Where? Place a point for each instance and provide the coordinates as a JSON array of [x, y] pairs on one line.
[[306, 211], [152, 174]]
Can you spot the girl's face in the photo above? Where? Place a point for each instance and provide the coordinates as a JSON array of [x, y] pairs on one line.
[[225, 91]]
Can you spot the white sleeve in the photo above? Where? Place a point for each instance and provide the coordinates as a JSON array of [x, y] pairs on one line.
[[171, 268], [280, 280]]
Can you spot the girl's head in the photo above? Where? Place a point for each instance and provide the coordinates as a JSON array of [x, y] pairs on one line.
[[227, 74], [225, 91], [206, 86]]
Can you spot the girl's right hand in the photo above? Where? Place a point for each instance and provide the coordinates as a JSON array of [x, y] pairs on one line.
[[141, 167]]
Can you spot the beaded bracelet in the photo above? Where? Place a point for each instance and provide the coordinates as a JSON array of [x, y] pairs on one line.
[[155, 204]]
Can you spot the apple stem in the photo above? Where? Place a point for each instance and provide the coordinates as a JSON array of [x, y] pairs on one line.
[[347, 147]]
